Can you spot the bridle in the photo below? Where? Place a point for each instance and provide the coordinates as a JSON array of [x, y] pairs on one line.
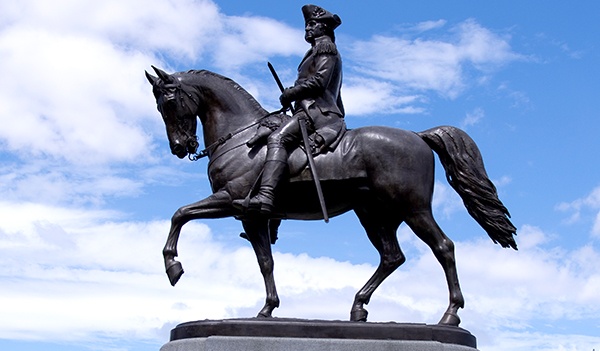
[[222, 140], [173, 92]]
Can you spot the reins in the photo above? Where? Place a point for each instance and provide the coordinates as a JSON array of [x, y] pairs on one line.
[[222, 140]]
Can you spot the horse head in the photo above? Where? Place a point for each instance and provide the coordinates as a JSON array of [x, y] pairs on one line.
[[222, 105], [178, 104]]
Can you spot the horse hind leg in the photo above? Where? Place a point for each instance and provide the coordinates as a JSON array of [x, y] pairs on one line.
[[425, 227], [382, 235], [258, 232]]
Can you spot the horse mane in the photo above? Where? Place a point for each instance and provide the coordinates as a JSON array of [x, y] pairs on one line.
[[245, 96]]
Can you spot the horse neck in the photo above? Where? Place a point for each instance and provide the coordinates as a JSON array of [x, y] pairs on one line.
[[227, 108]]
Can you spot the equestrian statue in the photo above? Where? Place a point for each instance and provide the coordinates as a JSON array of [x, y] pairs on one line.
[[264, 166]]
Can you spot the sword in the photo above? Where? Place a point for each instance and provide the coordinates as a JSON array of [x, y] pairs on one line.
[[311, 161]]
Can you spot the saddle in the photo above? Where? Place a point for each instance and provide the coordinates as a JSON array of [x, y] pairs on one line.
[[297, 159]]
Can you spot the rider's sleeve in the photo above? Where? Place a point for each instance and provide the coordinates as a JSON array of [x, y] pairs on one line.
[[315, 85]]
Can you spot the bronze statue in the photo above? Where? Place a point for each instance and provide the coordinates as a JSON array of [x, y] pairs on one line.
[[385, 175]]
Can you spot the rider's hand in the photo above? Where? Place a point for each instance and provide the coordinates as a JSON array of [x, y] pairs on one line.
[[287, 97]]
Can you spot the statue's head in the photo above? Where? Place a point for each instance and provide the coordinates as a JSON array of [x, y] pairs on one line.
[[319, 22], [178, 110]]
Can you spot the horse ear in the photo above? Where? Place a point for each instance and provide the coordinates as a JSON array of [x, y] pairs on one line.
[[152, 79], [163, 75]]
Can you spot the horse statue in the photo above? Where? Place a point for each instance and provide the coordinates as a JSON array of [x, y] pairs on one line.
[[385, 175]]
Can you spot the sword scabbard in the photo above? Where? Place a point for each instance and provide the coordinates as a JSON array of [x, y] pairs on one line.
[[311, 160]]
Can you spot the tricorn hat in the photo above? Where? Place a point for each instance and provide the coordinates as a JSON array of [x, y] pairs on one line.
[[313, 12]]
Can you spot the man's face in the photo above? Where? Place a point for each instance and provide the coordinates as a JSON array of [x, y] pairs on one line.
[[313, 30]]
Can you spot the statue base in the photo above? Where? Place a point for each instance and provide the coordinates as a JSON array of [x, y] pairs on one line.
[[282, 334]]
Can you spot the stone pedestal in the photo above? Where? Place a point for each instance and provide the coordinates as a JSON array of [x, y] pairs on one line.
[[308, 335]]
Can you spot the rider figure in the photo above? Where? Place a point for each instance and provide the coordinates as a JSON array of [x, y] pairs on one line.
[[316, 94]]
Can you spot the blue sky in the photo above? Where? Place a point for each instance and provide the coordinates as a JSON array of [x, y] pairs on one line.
[[88, 185]]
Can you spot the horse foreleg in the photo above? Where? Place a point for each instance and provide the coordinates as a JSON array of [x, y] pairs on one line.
[[258, 234], [424, 226], [383, 236], [217, 205]]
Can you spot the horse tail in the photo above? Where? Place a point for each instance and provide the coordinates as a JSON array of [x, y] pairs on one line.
[[465, 172]]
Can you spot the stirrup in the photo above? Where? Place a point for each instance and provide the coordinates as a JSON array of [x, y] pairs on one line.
[[255, 205], [262, 204]]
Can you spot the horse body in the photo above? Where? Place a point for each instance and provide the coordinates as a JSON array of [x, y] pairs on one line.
[[365, 164], [385, 175]]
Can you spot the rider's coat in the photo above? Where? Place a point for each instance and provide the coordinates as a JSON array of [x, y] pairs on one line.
[[318, 88]]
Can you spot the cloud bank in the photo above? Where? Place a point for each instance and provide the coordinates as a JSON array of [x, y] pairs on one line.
[[96, 276], [79, 130]]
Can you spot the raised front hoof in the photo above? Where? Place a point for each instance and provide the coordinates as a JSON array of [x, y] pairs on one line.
[[359, 315], [174, 272], [450, 319]]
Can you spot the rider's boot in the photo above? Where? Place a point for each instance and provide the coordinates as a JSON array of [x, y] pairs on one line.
[[274, 171]]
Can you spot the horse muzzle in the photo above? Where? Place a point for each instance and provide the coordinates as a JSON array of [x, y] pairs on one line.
[[180, 150]]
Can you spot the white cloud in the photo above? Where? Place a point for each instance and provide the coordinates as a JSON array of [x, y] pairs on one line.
[[181, 29], [60, 266], [540, 342], [502, 181], [65, 265], [473, 117], [591, 200], [46, 182], [429, 25], [363, 96], [538, 282], [75, 105], [596, 227], [72, 97], [420, 65], [253, 39], [581, 207], [482, 47], [426, 64], [73, 80], [446, 200], [74, 87]]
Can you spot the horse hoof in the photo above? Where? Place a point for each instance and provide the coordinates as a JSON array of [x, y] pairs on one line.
[[359, 315], [450, 319], [174, 272], [263, 315]]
